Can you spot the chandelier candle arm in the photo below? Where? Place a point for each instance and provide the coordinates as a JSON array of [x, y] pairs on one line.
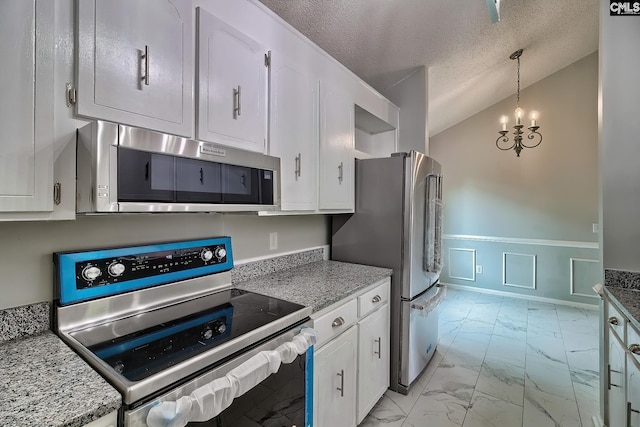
[[517, 145]]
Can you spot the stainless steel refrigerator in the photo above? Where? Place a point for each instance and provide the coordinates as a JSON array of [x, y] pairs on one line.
[[397, 224]]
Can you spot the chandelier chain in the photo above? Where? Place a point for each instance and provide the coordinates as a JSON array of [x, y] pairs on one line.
[[518, 91]]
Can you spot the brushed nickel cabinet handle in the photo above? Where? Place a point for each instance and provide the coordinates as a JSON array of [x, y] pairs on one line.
[[341, 388], [613, 320], [237, 99], [298, 165], [376, 299], [145, 56], [634, 348], [338, 321], [340, 172], [629, 411], [609, 383], [379, 352]]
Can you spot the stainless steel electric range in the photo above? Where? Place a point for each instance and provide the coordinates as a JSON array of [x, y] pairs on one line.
[[164, 326]]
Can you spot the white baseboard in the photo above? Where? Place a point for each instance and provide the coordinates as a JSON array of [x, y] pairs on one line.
[[520, 296], [597, 421]]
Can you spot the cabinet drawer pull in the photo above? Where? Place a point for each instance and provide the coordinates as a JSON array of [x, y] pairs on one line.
[[338, 321], [341, 388], [629, 411], [613, 320], [298, 165], [237, 98], [379, 352], [145, 56], [634, 348], [376, 299]]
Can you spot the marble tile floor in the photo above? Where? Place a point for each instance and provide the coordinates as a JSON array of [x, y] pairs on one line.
[[503, 362]]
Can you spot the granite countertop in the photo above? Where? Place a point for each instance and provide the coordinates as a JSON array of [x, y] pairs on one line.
[[44, 383], [628, 301], [318, 284]]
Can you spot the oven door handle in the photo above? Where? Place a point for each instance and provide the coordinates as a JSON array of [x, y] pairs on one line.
[[209, 400]]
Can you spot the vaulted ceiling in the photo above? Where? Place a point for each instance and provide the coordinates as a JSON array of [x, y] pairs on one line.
[[467, 56]]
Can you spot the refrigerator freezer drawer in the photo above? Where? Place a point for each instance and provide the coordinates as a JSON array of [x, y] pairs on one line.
[[422, 330]]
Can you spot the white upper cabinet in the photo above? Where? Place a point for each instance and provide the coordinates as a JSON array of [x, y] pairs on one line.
[[232, 86], [135, 63], [336, 175], [294, 132], [26, 105]]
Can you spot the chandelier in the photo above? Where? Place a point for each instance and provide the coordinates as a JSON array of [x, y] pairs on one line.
[[503, 142]]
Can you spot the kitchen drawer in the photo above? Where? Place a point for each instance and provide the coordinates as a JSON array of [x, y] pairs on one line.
[[373, 299], [336, 321], [633, 341], [616, 321]]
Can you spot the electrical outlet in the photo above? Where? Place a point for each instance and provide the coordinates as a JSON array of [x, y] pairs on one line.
[[595, 227], [273, 241], [478, 269]]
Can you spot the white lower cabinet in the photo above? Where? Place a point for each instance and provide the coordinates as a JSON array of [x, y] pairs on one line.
[[335, 381], [616, 377], [373, 360], [351, 359]]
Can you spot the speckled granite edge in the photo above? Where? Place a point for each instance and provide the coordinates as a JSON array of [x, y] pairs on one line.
[[24, 321], [627, 301], [622, 279], [272, 265], [45, 383]]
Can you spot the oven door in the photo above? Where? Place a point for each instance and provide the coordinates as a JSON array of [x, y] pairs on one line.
[[284, 398]]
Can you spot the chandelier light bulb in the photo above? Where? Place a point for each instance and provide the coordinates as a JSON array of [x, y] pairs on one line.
[[534, 116], [504, 120], [519, 113]]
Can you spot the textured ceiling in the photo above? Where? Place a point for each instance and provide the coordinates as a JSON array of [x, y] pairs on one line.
[[467, 57]]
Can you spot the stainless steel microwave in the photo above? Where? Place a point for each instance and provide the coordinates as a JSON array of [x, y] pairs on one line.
[[127, 169]]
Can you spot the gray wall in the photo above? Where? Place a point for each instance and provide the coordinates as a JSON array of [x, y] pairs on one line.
[[26, 247], [620, 139], [541, 205], [410, 95]]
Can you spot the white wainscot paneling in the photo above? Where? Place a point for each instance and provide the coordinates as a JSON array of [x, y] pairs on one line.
[[462, 264], [584, 274], [519, 270]]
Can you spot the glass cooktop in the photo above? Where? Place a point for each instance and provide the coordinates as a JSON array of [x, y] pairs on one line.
[[148, 343]]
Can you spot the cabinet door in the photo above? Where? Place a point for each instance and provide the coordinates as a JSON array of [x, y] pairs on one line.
[[232, 86], [633, 377], [135, 63], [373, 359], [335, 382], [616, 386], [26, 105], [294, 132], [336, 175]]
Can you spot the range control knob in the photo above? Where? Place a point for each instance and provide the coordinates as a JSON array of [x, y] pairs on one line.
[[91, 272], [116, 269], [118, 367], [221, 328], [206, 255], [221, 252], [207, 333]]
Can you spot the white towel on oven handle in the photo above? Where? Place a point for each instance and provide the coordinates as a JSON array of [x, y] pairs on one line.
[[209, 400]]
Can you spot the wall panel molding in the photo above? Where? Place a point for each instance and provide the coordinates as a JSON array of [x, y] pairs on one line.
[[508, 278], [572, 276], [522, 241], [470, 255]]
